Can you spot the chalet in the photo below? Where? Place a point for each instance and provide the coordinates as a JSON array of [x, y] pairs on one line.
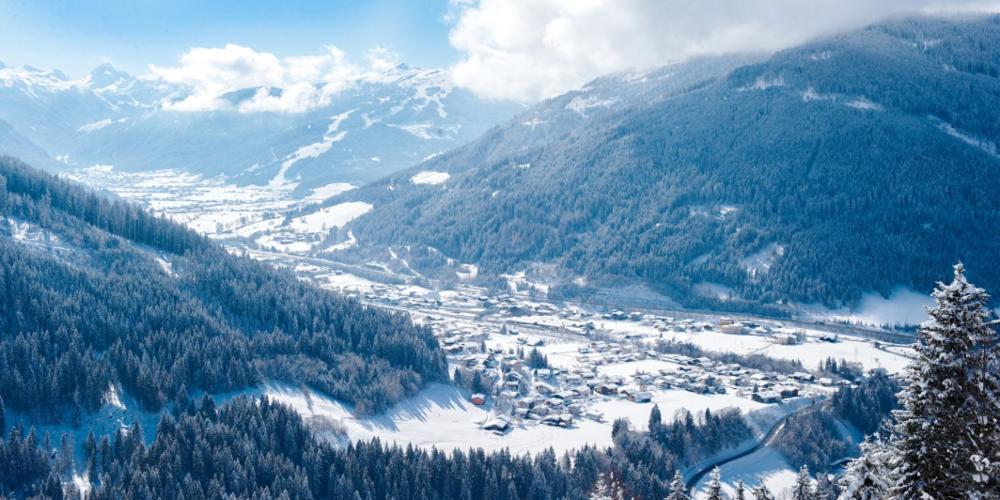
[[784, 339], [558, 420], [498, 424], [607, 389], [566, 395], [767, 397], [543, 388], [731, 327], [641, 396], [788, 391]]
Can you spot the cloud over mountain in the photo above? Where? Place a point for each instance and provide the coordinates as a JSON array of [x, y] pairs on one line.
[[283, 84], [533, 49]]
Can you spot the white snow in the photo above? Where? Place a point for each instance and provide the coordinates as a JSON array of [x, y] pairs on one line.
[[765, 465], [420, 130], [762, 83], [329, 191], [167, 267], [430, 177], [670, 402], [95, 126], [810, 353], [329, 217], [468, 271], [441, 416], [714, 290], [983, 144], [344, 245], [313, 150], [863, 104], [760, 262], [581, 104]]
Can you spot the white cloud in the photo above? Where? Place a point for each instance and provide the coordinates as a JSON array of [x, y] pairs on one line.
[[532, 49], [209, 73]]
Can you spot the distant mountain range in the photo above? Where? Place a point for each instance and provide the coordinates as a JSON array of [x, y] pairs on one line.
[[381, 122], [855, 163]]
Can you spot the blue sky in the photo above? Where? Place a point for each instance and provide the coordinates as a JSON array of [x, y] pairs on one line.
[[75, 35], [512, 49]]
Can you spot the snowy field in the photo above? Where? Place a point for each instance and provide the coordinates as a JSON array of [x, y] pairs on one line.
[[441, 416], [765, 465], [810, 353], [224, 211]]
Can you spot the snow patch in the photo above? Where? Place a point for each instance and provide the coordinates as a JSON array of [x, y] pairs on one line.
[[863, 104], [715, 291], [95, 126], [762, 83], [327, 218], [166, 266], [760, 262], [987, 146], [351, 242], [430, 177], [764, 466], [329, 191], [581, 104], [313, 150]]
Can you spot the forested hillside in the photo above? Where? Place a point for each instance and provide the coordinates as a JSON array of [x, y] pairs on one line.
[[259, 449], [95, 292], [851, 164]]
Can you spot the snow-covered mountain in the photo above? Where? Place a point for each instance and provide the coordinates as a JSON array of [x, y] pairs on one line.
[[378, 123], [854, 163]]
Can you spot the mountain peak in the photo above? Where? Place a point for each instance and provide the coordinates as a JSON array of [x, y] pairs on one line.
[[106, 74]]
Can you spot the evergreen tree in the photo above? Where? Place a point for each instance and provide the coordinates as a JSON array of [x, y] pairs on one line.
[[824, 488], [762, 493], [715, 486], [741, 491], [869, 476], [946, 433], [678, 490], [601, 489], [803, 485], [655, 419]]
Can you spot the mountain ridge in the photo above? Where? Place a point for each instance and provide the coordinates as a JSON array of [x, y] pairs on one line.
[[400, 115], [784, 156]]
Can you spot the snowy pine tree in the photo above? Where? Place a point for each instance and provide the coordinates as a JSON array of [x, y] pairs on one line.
[[824, 488], [601, 489], [803, 485], [762, 493], [715, 486], [678, 490], [741, 491], [946, 436], [868, 477]]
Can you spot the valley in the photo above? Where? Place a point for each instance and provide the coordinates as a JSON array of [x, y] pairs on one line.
[[601, 363], [580, 251]]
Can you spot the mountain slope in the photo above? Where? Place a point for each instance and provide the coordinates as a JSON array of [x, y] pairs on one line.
[[855, 163], [96, 293], [15, 144]]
